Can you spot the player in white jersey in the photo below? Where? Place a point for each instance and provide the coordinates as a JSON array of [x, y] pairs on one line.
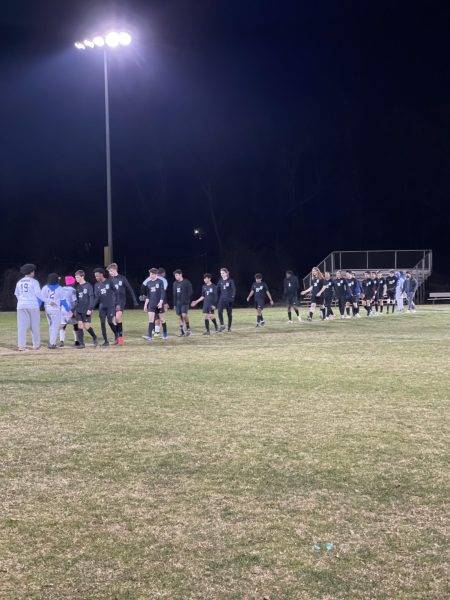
[[29, 299], [52, 293], [70, 296]]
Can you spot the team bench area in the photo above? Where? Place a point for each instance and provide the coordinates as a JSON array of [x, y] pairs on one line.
[[438, 296]]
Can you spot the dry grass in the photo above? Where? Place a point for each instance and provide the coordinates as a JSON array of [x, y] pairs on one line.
[[209, 468]]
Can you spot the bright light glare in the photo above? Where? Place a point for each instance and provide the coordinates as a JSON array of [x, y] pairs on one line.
[[88, 43], [99, 41], [80, 46], [124, 38], [112, 39]]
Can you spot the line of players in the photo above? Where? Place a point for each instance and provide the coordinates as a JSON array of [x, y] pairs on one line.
[[75, 301]]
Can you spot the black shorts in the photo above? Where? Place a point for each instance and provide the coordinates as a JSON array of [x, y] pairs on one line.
[[318, 300], [208, 310], [342, 300], [368, 298], [291, 301], [181, 309], [83, 317], [223, 304], [390, 294], [121, 306], [353, 299], [107, 312], [328, 300], [155, 309], [259, 305]]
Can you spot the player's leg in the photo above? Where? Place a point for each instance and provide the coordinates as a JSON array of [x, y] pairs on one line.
[[54, 321], [212, 318], [220, 314], [119, 325], [102, 315], [35, 324], [80, 332], [312, 308], [23, 324], [229, 317], [88, 327], [289, 312], [185, 317], [113, 326]]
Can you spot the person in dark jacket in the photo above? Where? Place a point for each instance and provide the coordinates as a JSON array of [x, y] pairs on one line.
[[182, 293], [410, 285]]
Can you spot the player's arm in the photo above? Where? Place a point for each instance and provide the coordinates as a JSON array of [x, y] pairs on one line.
[[93, 299], [269, 296], [233, 290], [130, 289], [195, 302], [306, 291], [250, 295]]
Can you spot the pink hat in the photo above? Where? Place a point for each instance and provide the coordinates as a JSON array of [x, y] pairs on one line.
[[69, 280]]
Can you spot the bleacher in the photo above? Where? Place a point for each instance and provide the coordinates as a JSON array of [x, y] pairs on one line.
[[420, 262]]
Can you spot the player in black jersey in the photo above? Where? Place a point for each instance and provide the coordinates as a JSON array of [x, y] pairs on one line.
[[121, 285], [352, 294], [317, 285], [340, 290], [226, 293], [154, 304], [106, 298], [391, 286], [290, 292], [209, 299], [328, 296], [368, 288], [380, 292], [82, 311], [182, 294], [259, 290]]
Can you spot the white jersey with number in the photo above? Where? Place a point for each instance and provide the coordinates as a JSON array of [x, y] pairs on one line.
[[28, 293]]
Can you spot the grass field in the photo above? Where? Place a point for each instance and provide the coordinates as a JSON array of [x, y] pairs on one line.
[[209, 468]]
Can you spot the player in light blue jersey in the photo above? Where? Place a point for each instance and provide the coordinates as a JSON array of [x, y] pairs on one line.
[[53, 298], [29, 299]]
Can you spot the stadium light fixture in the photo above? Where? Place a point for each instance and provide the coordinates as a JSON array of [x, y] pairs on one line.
[[111, 40]]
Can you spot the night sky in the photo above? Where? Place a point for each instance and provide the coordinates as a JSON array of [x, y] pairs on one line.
[[299, 127]]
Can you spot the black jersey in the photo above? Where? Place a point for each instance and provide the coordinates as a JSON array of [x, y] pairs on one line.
[[182, 291], [317, 285], [391, 282], [368, 287], [105, 294], [260, 290], [155, 292], [291, 286], [381, 284], [352, 286], [226, 290], [85, 297], [340, 287], [121, 285], [209, 293], [329, 288]]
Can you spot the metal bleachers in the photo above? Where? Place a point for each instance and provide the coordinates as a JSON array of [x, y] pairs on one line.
[[420, 262]]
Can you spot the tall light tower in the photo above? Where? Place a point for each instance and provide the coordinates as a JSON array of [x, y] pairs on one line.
[[111, 40]]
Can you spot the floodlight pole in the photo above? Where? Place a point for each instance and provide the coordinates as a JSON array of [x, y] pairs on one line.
[[108, 160]]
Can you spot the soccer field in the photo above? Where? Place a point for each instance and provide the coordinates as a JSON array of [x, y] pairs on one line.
[[219, 468]]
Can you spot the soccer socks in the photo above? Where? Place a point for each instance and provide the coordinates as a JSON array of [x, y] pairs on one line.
[[259, 318], [311, 314], [322, 310], [157, 328], [150, 329], [296, 311], [214, 321], [91, 332], [347, 310], [114, 328], [80, 337], [188, 327], [381, 308], [164, 326], [230, 317], [289, 315], [207, 325], [62, 333], [221, 317]]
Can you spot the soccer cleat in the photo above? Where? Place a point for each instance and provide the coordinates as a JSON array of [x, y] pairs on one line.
[[262, 323], [80, 346], [51, 346], [165, 336], [105, 344], [299, 319], [77, 344], [357, 316], [206, 333], [182, 334], [222, 328], [288, 321], [95, 342], [146, 337], [188, 333], [308, 318], [229, 330], [155, 334], [36, 347], [22, 349], [257, 325], [120, 340]]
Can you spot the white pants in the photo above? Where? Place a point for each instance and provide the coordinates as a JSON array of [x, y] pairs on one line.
[[399, 298], [28, 318], [54, 321]]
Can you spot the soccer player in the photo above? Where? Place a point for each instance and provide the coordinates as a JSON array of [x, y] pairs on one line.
[[209, 298], [162, 277], [70, 297], [53, 298], [182, 294], [352, 294], [260, 290], [317, 285], [290, 291], [226, 293], [391, 285], [399, 294], [328, 296], [410, 286], [121, 285], [83, 308], [106, 297], [29, 298], [340, 289], [154, 304], [381, 292], [368, 292]]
